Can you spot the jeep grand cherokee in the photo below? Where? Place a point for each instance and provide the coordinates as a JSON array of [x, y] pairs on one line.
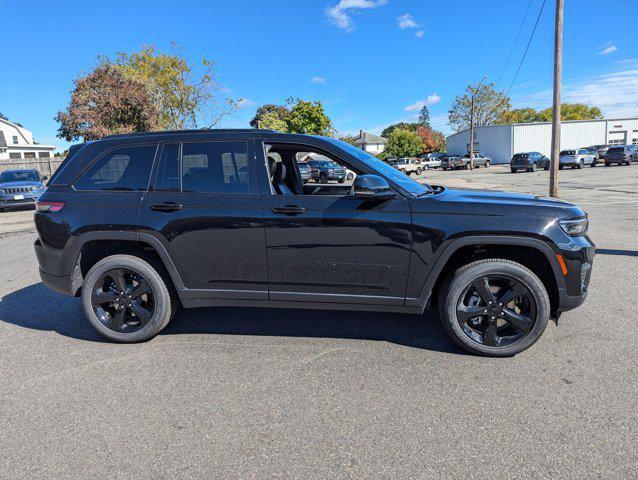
[[139, 224]]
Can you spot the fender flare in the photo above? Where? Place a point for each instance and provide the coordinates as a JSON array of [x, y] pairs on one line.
[[449, 250], [73, 253]]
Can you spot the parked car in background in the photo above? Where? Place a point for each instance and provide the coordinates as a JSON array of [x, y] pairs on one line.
[[408, 165], [602, 151], [324, 171], [451, 161], [305, 171], [594, 152], [20, 187], [529, 161], [622, 154], [576, 158], [431, 160], [480, 160]]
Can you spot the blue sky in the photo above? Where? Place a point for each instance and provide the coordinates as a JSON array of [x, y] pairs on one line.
[[371, 62]]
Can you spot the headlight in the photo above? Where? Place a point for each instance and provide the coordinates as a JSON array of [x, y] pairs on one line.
[[574, 227]]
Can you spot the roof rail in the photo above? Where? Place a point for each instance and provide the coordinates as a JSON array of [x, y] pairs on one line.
[[201, 130]]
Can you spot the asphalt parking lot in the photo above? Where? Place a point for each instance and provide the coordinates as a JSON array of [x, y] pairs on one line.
[[246, 393]]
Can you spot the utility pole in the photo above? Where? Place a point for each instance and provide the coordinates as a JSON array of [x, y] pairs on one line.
[[558, 73], [472, 123]]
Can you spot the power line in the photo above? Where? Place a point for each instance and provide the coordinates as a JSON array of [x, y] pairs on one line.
[[531, 37], [509, 57]]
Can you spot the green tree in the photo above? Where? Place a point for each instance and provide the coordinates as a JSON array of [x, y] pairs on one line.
[[489, 105], [104, 102], [183, 98], [272, 121], [280, 111], [4, 117], [572, 111], [403, 143], [519, 115], [309, 118], [401, 125], [424, 117]]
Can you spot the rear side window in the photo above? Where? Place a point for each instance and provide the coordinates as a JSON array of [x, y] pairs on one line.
[[215, 167], [122, 169]]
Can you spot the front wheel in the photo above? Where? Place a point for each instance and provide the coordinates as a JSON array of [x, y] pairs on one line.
[[419, 171], [468, 166], [494, 307], [487, 163], [547, 166], [514, 170], [580, 164], [126, 299]]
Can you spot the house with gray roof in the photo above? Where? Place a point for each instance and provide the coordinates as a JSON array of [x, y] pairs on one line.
[[371, 143], [17, 144]]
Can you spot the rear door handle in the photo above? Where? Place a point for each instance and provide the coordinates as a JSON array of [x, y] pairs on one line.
[[289, 210], [167, 207]]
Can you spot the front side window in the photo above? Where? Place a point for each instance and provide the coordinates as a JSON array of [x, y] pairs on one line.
[[215, 167], [123, 169]]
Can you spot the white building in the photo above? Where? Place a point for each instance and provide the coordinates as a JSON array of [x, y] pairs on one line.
[[501, 142], [368, 142], [16, 143]]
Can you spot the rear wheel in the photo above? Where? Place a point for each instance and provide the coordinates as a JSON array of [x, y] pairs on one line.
[[419, 171], [580, 164], [126, 299], [494, 307], [468, 166]]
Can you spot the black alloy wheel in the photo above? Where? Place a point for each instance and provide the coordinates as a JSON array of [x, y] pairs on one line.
[[123, 300], [496, 310]]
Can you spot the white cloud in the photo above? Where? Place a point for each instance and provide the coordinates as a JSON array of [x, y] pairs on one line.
[[406, 21], [340, 14], [614, 93], [318, 80], [418, 105], [607, 48], [419, 34]]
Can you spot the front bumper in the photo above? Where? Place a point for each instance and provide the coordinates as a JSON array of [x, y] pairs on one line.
[[579, 262], [8, 200]]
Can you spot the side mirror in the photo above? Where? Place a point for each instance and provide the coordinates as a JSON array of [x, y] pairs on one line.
[[44, 177], [372, 187]]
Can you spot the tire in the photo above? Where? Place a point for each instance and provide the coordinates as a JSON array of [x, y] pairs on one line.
[[164, 299], [426, 167], [629, 162], [341, 180], [487, 164], [419, 171], [444, 169], [323, 178], [607, 164], [594, 163], [514, 170], [560, 167], [468, 166], [547, 166], [458, 286], [533, 167], [580, 164]]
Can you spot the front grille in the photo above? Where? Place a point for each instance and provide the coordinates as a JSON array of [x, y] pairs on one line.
[[14, 190]]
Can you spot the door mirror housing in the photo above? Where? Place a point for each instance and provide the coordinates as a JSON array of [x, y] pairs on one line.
[[372, 187]]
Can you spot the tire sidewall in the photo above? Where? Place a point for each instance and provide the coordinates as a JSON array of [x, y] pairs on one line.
[[162, 313], [460, 282]]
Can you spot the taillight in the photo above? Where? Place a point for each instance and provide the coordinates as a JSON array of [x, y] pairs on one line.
[[49, 206]]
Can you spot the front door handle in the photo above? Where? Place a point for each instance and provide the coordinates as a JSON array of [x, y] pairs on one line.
[[289, 210], [167, 207]]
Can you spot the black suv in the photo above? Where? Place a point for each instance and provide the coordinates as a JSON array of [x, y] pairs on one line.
[[139, 224], [323, 171]]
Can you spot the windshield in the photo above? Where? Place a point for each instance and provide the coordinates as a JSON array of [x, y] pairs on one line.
[[383, 168], [28, 176], [568, 152]]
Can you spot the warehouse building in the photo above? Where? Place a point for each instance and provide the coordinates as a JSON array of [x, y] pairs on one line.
[[500, 142]]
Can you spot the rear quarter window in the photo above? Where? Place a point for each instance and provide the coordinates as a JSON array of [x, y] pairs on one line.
[[122, 169]]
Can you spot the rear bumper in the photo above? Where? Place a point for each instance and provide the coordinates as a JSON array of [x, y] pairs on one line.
[[61, 284]]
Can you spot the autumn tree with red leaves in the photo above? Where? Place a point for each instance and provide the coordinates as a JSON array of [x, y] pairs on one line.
[[105, 102], [433, 140]]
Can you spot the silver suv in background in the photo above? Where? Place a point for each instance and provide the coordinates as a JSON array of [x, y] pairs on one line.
[[576, 158], [622, 154]]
